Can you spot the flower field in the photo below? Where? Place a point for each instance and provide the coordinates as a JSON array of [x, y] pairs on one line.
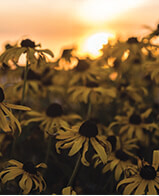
[[80, 125]]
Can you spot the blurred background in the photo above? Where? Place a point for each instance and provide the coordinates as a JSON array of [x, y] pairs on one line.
[[84, 24]]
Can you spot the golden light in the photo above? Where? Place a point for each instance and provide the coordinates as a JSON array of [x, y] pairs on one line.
[[94, 43], [104, 10]]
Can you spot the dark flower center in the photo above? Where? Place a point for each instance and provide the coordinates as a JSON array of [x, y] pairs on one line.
[[27, 43], [88, 129], [117, 63], [112, 140], [121, 155], [82, 66], [5, 66], [137, 61], [92, 84], [1, 95], [8, 46], [54, 110], [132, 40], [31, 75], [135, 119], [148, 172], [30, 168]]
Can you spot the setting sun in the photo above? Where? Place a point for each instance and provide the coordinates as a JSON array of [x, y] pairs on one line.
[[95, 42]]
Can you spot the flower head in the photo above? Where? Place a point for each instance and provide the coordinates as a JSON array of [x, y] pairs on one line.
[[80, 138], [31, 178], [84, 71], [27, 47], [52, 119], [93, 92], [133, 124], [142, 181], [120, 157]]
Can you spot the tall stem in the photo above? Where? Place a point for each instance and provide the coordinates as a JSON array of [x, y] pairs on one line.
[[89, 115], [74, 173], [48, 150], [25, 80], [22, 101]]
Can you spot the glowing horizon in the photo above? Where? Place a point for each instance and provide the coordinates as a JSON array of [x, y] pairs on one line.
[[64, 24]]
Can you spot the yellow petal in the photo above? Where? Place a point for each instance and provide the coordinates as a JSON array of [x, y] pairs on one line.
[[22, 182], [36, 183], [77, 145], [17, 107], [3, 122], [106, 168], [99, 149], [118, 172], [130, 187], [126, 180], [26, 122], [43, 165], [114, 163], [34, 113], [12, 117], [18, 54], [15, 162], [28, 185], [67, 145], [155, 157], [141, 188], [68, 191], [46, 51], [151, 188], [11, 175], [58, 145], [85, 149]]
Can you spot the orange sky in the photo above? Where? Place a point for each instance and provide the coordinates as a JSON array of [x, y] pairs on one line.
[[62, 23]]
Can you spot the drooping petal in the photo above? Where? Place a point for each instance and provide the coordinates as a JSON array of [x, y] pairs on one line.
[[99, 149], [141, 188], [11, 175], [28, 185], [78, 143], [22, 182], [12, 117], [26, 122], [36, 182], [126, 180], [151, 188], [114, 163], [106, 168], [118, 172], [130, 187], [58, 145], [85, 149], [3, 122]]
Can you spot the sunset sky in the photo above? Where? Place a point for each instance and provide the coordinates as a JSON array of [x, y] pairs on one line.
[[66, 23]]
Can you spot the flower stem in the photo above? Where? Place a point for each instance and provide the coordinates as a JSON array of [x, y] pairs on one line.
[[89, 110], [25, 80], [74, 173], [22, 101], [48, 150]]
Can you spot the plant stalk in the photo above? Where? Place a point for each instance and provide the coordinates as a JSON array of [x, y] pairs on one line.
[[74, 173]]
